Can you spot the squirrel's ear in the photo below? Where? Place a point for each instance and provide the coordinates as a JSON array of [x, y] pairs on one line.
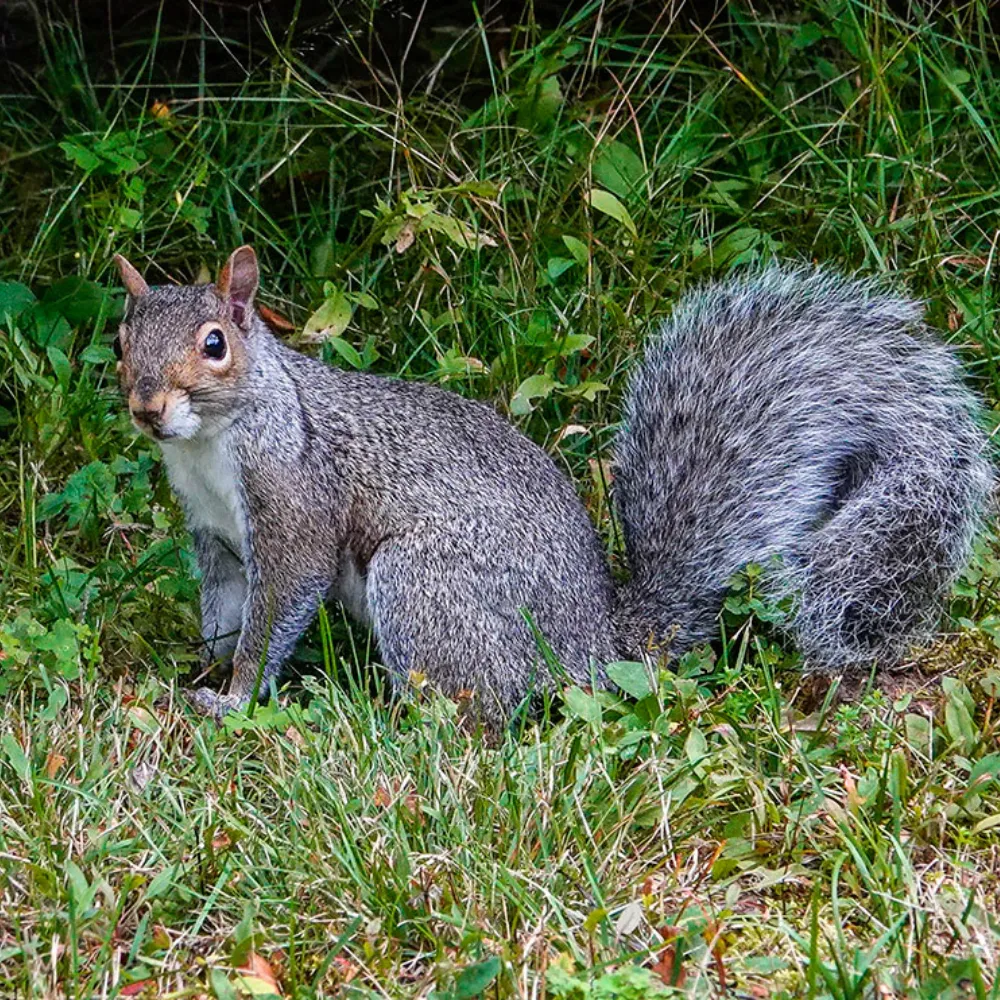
[[237, 282], [133, 281]]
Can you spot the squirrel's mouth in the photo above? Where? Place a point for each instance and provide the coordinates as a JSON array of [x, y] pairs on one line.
[[152, 430], [171, 418]]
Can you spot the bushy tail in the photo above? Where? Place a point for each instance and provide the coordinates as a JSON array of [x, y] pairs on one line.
[[871, 582], [798, 414]]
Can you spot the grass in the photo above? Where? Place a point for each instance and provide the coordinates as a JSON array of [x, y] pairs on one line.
[[506, 212]]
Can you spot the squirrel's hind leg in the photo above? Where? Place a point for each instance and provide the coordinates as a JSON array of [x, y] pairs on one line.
[[427, 621], [450, 607]]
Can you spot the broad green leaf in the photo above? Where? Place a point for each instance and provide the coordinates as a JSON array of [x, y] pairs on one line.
[[256, 986], [161, 882], [539, 109], [61, 366], [330, 320], [80, 889], [582, 705], [557, 266], [78, 299], [481, 189], [540, 331], [807, 34], [363, 299], [585, 390], [120, 152], [532, 388], [62, 641], [960, 726], [15, 299], [474, 980], [918, 731], [607, 204], [631, 677], [990, 683], [134, 187], [574, 342], [221, 986], [618, 168], [143, 720], [984, 772], [954, 76], [955, 690], [959, 711], [58, 700], [696, 747], [243, 936], [461, 234], [84, 158], [50, 327], [17, 757], [579, 250], [323, 257], [347, 351], [741, 245], [990, 823], [764, 964], [97, 354]]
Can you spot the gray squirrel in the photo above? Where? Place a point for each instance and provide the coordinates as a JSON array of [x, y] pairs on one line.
[[785, 413]]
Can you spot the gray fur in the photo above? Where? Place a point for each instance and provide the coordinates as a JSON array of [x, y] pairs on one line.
[[223, 594], [798, 414], [784, 413], [466, 534]]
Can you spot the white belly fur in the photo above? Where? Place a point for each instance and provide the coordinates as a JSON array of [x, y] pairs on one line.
[[203, 474]]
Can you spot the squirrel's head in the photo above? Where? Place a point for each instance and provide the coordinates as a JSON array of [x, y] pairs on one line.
[[183, 349]]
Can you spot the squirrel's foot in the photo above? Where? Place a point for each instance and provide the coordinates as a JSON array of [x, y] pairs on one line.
[[213, 704]]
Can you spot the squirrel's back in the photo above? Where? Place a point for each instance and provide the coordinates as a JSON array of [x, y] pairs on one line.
[[798, 414], [418, 453]]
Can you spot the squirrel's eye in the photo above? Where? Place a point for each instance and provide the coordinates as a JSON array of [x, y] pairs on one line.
[[215, 345], [117, 347]]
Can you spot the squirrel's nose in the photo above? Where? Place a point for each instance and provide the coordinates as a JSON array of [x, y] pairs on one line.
[[145, 387], [148, 411]]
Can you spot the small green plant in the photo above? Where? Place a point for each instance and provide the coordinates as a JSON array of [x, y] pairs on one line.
[[631, 983]]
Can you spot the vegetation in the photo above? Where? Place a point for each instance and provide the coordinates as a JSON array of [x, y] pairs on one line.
[[503, 207]]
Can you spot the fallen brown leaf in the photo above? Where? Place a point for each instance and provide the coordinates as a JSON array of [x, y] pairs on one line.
[[274, 319], [137, 988], [53, 763], [345, 968], [258, 967], [404, 240], [668, 967]]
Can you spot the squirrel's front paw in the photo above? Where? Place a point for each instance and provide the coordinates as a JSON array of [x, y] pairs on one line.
[[214, 704]]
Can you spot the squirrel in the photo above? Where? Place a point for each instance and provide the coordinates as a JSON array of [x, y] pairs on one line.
[[786, 413]]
